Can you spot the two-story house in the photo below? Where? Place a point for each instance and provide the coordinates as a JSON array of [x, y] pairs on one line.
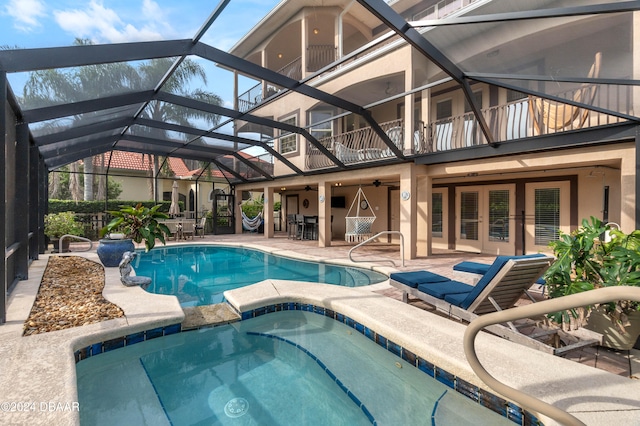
[[479, 127]]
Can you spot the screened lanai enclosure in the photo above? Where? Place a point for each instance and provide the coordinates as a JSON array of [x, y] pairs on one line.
[[96, 110]]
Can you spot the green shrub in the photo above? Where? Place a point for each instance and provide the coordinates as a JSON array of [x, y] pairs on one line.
[[58, 224], [58, 206]]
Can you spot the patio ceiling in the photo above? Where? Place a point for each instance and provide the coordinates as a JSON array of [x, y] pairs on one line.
[[102, 120]]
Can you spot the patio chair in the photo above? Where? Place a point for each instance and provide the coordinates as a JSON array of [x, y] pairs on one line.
[[188, 228], [503, 284], [200, 226], [173, 229]]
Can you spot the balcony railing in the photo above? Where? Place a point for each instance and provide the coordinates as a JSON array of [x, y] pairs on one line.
[[254, 95], [441, 9], [320, 55], [363, 145], [524, 118]]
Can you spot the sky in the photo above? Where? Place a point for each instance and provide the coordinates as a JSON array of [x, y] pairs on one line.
[[54, 23]]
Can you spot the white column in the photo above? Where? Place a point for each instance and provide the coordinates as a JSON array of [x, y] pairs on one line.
[[424, 219], [408, 210], [324, 214], [267, 213]]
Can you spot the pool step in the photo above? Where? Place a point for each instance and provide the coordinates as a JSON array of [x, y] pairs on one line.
[[200, 316]]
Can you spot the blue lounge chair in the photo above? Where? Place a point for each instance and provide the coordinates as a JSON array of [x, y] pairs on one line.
[[503, 283], [500, 287]]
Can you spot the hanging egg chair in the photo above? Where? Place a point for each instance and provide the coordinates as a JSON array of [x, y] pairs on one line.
[[358, 226]]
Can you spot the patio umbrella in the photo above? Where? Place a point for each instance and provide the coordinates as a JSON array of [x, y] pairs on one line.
[[174, 209]]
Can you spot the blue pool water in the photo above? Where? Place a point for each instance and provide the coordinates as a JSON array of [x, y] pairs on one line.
[[283, 368], [198, 275]]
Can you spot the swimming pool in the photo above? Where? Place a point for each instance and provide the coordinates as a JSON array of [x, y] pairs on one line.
[[199, 274], [288, 367]]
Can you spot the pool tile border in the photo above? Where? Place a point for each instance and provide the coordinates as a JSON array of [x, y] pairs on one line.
[[488, 400], [128, 340]]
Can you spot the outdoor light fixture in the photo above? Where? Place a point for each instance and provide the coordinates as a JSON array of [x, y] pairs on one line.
[[307, 188], [377, 183], [316, 31], [279, 55]]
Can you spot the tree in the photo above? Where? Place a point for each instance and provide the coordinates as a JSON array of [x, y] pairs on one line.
[[60, 86], [180, 84], [67, 180]]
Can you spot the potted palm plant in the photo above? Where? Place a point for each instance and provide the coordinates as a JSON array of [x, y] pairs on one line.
[[137, 224], [58, 224], [593, 256]]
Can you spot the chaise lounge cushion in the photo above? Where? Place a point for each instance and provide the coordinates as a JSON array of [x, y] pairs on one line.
[[472, 267], [415, 278], [482, 268], [443, 289]]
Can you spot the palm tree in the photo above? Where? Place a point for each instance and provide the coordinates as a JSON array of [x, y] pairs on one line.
[[59, 86], [179, 84]]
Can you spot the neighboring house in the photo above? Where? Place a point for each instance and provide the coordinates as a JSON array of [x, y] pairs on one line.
[[545, 167], [131, 170]]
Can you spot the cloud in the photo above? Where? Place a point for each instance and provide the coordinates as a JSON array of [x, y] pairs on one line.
[[26, 13], [104, 25]]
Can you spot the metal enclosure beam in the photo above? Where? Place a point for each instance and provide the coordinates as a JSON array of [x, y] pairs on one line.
[[34, 202], [43, 203], [4, 284], [637, 177], [24, 60], [82, 107], [21, 218]]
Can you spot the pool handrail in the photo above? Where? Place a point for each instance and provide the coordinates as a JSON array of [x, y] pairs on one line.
[[373, 238], [78, 238], [601, 295]]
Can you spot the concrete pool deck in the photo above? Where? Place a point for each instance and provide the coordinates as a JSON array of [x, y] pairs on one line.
[[39, 370]]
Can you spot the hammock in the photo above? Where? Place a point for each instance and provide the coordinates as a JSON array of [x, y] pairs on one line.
[[252, 224], [358, 228], [553, 115]]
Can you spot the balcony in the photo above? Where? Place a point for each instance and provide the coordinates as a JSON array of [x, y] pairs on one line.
[[363, 145], [522, 118], [318, 56], [519, 119]]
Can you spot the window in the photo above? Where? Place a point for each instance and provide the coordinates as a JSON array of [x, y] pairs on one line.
[[477, 98], [289, 141], [444, 109], [324, 129], [547, 215], [436, 214]]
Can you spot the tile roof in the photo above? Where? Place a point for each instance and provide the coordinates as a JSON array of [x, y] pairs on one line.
[[135, 161]]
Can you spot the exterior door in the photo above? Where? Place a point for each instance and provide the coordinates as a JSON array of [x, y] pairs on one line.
[[469, 219], [485, 219]]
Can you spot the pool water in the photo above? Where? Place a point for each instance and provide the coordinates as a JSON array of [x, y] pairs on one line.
[[198, 275], [283, 368]]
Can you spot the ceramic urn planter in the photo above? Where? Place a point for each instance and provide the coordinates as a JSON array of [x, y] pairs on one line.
[[110, 251]]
